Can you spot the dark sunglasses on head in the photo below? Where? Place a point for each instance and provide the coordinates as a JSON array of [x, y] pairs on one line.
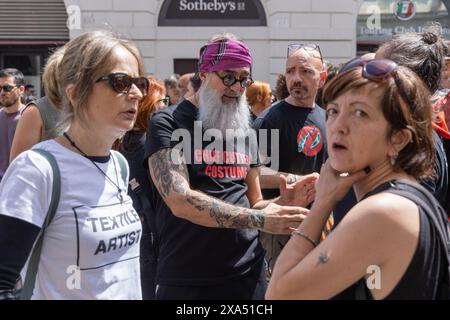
[[307, 47], [229, 79], [7, 88], [121, 82], [379, 70]]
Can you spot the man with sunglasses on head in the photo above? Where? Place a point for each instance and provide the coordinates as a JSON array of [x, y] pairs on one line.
[[300, 123], [211, 206], [11, 88]]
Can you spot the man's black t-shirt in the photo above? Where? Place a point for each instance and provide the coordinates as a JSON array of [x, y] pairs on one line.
[[190, 254], [301, 144]]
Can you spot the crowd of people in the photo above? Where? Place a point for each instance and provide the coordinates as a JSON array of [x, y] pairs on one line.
[[213, 185]]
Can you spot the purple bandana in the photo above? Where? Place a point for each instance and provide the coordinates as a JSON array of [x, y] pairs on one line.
[[224, 54]]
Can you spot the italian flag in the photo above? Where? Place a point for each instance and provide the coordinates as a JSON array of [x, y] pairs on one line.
[[405, 8]]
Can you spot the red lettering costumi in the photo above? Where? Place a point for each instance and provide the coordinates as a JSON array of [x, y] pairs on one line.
[[218, 163], [220, 172]]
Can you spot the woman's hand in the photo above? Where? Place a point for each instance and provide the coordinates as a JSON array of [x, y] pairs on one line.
[[332, 186]]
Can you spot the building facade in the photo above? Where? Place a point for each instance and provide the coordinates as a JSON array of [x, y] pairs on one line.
[[171, 32]]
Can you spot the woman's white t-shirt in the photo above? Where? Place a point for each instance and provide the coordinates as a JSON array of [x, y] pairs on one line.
[[91, 248]]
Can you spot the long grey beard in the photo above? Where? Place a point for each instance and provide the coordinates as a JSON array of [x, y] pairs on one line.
[[215, 114]]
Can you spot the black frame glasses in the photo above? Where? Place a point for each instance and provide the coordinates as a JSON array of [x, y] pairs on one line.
[[292, 47], [122, 83], [7, 88], [165, 100], [228, 80], [379, 70]]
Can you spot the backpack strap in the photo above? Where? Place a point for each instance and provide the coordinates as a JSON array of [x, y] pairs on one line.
[[123, 167], [30, 278]]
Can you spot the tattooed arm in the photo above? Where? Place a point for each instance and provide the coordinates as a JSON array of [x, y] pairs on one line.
[[170, 176]]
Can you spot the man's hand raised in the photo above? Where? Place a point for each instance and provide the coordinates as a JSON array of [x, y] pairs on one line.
[[300, 193]]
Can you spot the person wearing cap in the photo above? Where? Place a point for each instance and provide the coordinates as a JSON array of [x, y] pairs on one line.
[[211, 207], [300, 124]]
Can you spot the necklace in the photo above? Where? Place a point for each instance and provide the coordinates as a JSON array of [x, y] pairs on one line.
[[119, 191]]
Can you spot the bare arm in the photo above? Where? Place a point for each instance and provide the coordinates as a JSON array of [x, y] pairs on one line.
[[28, 132], [169, 174], [373, 233]]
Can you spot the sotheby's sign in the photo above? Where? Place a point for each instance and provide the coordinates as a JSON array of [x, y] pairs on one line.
[[212, 13]]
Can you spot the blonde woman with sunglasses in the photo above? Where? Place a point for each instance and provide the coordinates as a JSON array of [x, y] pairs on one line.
[[90, 248]]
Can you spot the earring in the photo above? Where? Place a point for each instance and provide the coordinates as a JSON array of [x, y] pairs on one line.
[[393, 159]]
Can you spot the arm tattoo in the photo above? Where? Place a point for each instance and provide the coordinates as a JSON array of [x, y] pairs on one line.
[[171, 175], [162, 165], [257, 219], [227, 216], [324, 257]]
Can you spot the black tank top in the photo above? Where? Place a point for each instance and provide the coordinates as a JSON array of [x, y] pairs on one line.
[[426, 271]]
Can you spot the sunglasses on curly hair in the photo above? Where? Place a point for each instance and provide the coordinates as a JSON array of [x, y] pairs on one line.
[[121, 82], [379, 70]]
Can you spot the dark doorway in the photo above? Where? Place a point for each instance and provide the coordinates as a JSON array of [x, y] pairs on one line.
[[30, 59], [182, 66]]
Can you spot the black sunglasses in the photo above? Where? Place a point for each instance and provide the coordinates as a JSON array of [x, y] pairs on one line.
[[379, 70], [121, 82], [307, 47], [7, 88], [228, 80]]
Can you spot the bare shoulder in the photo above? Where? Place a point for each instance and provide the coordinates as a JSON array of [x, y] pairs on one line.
[[31, 110], [389, 213]]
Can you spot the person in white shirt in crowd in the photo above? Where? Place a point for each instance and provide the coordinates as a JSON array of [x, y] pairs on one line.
[[95, 230]]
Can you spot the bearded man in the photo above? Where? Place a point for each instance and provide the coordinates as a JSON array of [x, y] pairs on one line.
[[211, 205], [11, 88]]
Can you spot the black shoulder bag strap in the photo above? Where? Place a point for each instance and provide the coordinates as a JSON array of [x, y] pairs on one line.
[[123, 167], [32, 269]]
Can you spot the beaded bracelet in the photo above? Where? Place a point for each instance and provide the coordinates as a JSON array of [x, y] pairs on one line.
[[305, 236]]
